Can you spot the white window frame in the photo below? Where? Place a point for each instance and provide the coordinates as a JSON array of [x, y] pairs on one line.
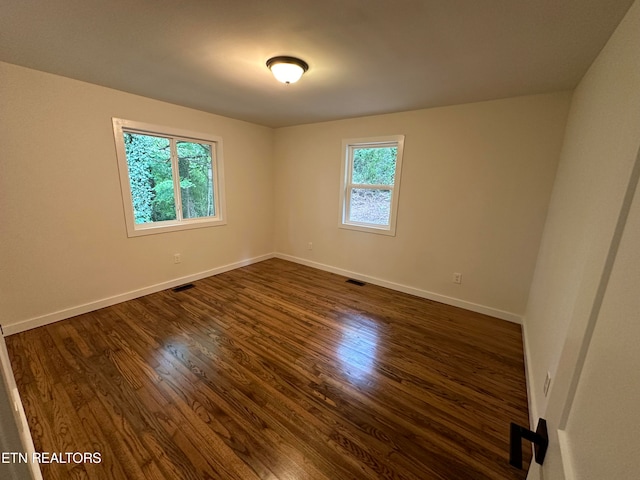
[[121, 126], [348, 146]]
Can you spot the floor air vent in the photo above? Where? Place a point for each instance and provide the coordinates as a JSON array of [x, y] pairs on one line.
[[356, 282], [181, 288]]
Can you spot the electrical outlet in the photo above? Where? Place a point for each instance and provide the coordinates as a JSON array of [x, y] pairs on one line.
[[310, 246], [547, 383], [457, 278], [177, 258]]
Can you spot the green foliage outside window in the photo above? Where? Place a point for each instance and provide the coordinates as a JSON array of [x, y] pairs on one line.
[[196, 179], [151, 178], [374, 166]]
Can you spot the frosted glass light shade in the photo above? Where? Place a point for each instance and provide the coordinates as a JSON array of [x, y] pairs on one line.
[[287, 72], [287, 69]]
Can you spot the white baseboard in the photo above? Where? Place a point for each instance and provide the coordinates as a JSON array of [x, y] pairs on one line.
[[18, 327], [474, 307], [10, 329]]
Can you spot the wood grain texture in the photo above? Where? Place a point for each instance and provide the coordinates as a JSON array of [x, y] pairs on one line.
[[275, 371]]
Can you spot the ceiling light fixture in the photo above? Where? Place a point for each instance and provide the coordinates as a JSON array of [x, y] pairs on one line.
[[287, 69]]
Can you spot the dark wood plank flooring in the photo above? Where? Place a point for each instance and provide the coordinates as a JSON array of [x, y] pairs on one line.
[[275, 371]]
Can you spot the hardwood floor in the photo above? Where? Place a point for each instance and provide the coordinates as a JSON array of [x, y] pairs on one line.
[[275, 371]]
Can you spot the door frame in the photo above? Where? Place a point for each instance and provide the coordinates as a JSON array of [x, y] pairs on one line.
[[576, 346]]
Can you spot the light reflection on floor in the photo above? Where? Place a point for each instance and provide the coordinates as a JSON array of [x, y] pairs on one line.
[[358, 346]]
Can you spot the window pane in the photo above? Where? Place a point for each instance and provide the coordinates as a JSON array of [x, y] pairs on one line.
[[149, 164], [196, 179], [370, 206], [374, 166]]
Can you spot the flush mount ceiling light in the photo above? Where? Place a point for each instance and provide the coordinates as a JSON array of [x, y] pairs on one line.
[[287, 69]]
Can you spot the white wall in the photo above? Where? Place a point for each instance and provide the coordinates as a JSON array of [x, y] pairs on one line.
[[475, 187], [62, 230], [602, 138]]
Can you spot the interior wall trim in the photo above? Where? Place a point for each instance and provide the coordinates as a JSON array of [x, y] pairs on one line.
[[10, 329], [455, 302], [528, 376], [19, 416]]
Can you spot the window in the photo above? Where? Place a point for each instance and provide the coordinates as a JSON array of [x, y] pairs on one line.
[[170, 179], [370, 184]]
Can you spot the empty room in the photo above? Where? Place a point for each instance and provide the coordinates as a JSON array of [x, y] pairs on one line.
[[319, 240]]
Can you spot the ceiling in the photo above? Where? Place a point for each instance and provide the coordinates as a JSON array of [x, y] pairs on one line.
[[365, 56]]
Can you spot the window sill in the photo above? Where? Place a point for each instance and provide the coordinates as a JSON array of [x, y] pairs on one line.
[[381, 230], [169, 226]]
